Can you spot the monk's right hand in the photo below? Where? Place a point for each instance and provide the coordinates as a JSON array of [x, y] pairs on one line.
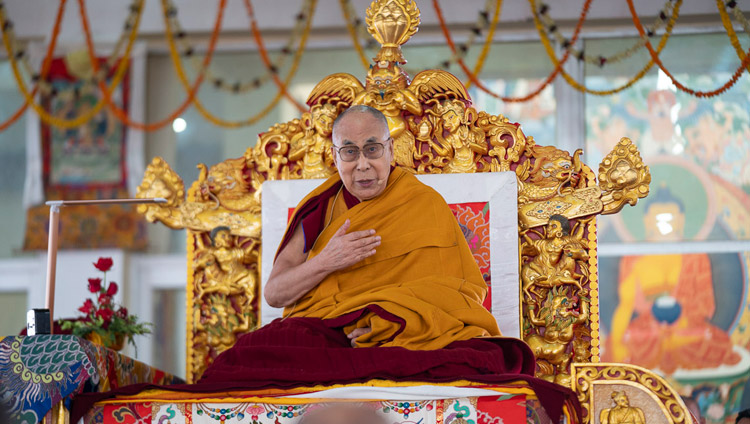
[[344, 250]]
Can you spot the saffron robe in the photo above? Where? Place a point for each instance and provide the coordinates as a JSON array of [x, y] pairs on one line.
[[421, 290]]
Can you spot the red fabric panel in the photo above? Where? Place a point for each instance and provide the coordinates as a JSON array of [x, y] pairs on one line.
[[501, 409]]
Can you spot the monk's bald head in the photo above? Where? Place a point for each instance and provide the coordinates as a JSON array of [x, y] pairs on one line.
[[357, 111], [342, 414]]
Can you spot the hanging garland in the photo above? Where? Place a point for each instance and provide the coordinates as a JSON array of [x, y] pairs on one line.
[[483, 24], [703, 94], [44, 86], [732, 4], [240, 87], [45, 116], [345, 10], [488, 41], [282, 85], [472, 77], [554, 30], [121, 114], [543, 22], [129, 29], [580, 87], [6, 25], [730, 30], [253, 119]]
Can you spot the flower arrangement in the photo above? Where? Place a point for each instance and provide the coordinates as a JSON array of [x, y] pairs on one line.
[[105, 322]]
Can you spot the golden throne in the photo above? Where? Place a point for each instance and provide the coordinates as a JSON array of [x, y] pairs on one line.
[[436, 131]]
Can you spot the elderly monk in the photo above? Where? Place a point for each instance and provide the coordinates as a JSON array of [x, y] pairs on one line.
[[372, 258], [377, 249]]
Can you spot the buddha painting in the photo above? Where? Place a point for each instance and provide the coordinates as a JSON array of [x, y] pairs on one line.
[[666, 302]]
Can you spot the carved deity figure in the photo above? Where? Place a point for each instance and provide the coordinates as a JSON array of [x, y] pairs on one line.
[[217, 325], [559, 317], [386, 89], [554, 258], [622, 413], [313, 146], [463, 141], [224, 267]]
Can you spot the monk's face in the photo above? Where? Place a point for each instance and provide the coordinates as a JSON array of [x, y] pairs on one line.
[[364, 177]]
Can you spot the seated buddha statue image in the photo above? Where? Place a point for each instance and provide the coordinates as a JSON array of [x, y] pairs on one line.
[[666, 304]]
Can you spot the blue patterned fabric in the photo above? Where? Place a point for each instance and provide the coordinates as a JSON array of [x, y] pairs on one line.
[[37, 372]]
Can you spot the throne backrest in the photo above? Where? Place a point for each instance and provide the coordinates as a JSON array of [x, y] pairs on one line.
[[485, 207]]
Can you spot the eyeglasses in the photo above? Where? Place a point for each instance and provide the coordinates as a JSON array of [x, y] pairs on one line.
[[370, 150]]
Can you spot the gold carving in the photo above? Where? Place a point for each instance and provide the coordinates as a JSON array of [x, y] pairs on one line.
[[223, 199], [225, 280], [554, 258], [462, 146], [507, 143], [392, 23], [581, 202], [559, 316], [222, 268], [556, 304], [622, 413], [623, 177], [386, 89], [312, 146], [553, 173], [588, 376]]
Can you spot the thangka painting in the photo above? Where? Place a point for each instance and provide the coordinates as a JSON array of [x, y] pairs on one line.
[[681, 309], [85, 162]]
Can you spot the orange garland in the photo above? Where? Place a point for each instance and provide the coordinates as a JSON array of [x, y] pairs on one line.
[[266, 61], [473, 78], [655, 57], [45, 65], [121, 114]]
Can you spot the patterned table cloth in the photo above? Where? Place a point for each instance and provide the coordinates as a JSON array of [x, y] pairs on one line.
[[500, 409], [37, 372]]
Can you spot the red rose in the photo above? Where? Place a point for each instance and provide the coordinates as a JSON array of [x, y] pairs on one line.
[[103, 264], [88, 305], [122, 312], [105, 314], [105, 299], [95, 284], [112, 289]]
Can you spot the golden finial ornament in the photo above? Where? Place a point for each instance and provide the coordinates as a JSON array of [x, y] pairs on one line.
[[392, 23]]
